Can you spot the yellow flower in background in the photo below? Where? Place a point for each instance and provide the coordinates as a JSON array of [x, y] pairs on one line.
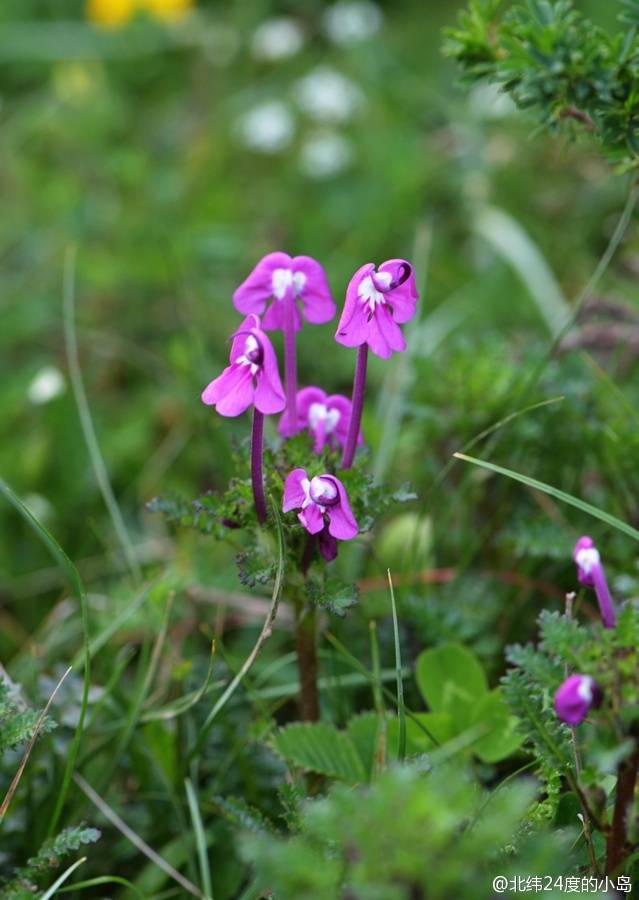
[[110, 13], [166, 9], [113, 13]]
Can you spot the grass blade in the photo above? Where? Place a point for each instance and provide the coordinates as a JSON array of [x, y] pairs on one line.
[[200, 839], [103, 879], [556, 493], [84, 414], [60, 881], [263, 637], [72, 576], [401, 715]]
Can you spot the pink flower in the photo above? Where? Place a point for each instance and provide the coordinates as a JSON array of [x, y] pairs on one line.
[[377, 303], [325, 417], [590, 573], [323, 495], [576, 696], [278, 277], [252, 377]]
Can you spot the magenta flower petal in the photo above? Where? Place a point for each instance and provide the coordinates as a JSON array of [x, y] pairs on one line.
[[342, 522], [343, 407], [312, 518], [324, 417], [253, 294], [269, 393], [278, 277], [591, 573], [315, 294], [405, 296], [377, 302], [251, 377], [231, 392], [576, 697], [294, 490]]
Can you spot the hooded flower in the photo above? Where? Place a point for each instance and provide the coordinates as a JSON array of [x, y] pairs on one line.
[[378, 301], [590, 573], [278, 277], [317, 498], [325, 417], [576, 697], [251, 378]]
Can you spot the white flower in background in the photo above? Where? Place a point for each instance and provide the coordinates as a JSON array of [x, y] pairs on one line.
[[327, 96], [277, 39], [488, 101], [325, 154], [267, 128], [39, 506], [46, 385], [350, 21]]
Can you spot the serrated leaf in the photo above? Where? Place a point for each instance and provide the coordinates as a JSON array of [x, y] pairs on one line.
[[320, 748], [364, 731]]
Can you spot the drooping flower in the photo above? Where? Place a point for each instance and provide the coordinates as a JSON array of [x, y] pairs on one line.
[[325, 417], [377, 302], [252, 378], [320, 499], [576, 697], [279, 277], [590, 573]]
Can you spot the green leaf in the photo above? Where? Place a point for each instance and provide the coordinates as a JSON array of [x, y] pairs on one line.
[[451, 680], [321, 748], [440, 725], [502, 739], [364, 732]]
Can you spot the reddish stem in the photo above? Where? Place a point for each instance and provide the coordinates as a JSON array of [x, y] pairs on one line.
[[257, 477], [357, 406]]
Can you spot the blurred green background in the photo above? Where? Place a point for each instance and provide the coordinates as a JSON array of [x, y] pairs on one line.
[[168, 154]]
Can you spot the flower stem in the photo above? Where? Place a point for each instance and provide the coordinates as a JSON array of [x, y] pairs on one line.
[[357, 405], [617, 848], [290, 365], [305, 641], [257, 477], [606, 606]]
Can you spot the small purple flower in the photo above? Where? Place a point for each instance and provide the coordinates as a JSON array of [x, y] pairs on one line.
[[576, 697], [252, 378], [590, 573], [318, 498], [378, 301], [279, 277], [325, 417]]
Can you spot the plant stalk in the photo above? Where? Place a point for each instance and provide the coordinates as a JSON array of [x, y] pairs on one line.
[[357, 406], [305, 645], [257, 476], [617, 843]]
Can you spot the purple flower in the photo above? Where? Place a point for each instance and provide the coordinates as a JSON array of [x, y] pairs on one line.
[[252, 377], [590, 573], [576, 696], [278, 277], [317, 498], [377, 303], [325, 417]]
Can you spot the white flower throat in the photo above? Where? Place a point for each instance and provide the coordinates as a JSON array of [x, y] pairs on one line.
[[587, 559], [251, 356], [320, 413], [283, 279], [368, 292]]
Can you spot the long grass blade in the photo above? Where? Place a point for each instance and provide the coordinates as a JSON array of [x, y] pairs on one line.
[[200, 839], [86, 421], [401, 715], [103, 879], [72, 576], [556, 493]]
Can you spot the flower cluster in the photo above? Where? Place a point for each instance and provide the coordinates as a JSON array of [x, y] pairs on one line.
[[280, 294]]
